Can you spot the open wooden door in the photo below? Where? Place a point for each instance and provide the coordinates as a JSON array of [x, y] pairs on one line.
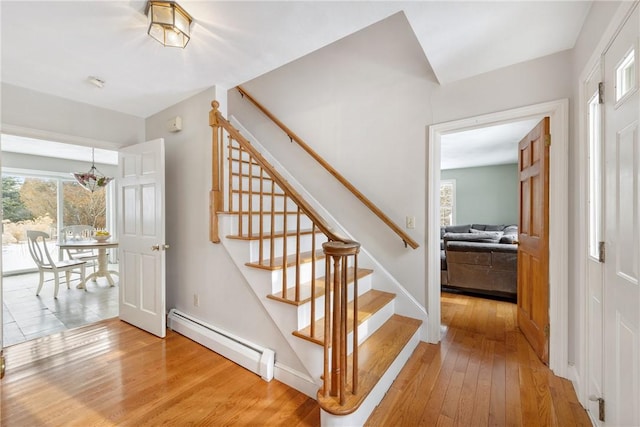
[[533, 249], [141, 233]]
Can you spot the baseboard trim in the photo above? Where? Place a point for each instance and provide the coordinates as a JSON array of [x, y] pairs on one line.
[[296, 379]]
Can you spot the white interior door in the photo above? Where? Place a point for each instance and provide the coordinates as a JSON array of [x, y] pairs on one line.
[[141, 233], [622, 235], [595, 274]]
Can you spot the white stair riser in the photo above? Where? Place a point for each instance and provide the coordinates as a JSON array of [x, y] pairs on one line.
[[305, 275], [368, 327], [254, 183], [304, 310], [278, 222], [306, 241], [278, 202]]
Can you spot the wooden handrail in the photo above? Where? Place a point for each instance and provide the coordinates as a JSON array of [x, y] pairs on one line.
[[368, 203]]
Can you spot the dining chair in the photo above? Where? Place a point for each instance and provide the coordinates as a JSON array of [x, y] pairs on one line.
[[37, 242], [79, 233]]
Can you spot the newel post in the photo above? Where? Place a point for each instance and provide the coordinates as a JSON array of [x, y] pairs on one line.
[[215, 195], [336, 265]]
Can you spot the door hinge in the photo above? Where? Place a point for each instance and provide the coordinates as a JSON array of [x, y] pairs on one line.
[[547, 331], [547, 140], [600, 406], [601, 93], [601, 252]]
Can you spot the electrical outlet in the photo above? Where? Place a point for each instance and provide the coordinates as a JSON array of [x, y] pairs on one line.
[[411, 222], [196, 300]]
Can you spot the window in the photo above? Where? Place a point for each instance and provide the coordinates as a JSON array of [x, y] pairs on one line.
[[595, 176], [447, 202], [46, 203], [626, 75]]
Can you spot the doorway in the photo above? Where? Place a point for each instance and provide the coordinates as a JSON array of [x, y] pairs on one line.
[[558, 208], [40, 193]]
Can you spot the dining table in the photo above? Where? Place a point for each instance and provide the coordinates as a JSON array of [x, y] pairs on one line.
[[103, 258]]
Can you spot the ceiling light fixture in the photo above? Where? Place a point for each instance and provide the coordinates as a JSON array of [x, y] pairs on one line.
[[93, 179], [169, 23]]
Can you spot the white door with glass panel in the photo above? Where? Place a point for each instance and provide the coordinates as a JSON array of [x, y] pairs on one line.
[[141, 233], [621, 379], [595, 272]]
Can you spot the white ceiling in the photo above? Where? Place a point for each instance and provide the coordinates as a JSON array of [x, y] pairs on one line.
[[53, 46], [491, 145]]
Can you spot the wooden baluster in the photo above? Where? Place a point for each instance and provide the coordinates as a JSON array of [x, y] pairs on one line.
[[335, 330], [230, 168], [240, 187], [327, 324], [250, 201], [272, 239], [297, 255], [354, 353], [343, 324], [313, 281], [261, 218], [284, 251]]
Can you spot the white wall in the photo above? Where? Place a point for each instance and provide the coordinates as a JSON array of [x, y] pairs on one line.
[[364, 103], [195, 265], [63, 120], [485, 195]]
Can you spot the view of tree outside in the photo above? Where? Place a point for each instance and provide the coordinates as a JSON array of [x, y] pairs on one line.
[[447, 201], [31, 203], [81, 207]]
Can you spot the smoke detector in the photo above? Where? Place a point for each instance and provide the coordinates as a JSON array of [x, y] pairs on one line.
[[96, 81]]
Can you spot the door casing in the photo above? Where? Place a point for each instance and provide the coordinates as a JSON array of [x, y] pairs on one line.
[[558, 111]]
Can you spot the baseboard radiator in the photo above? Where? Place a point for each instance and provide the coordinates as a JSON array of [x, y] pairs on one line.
[[248, 355]]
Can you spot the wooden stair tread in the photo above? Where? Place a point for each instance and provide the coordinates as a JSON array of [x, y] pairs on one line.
[[305, 288], [375, 356], [368, 304], [256, 236], [290, 261]]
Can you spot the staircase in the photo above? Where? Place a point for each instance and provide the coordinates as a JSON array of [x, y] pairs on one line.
[[352, 327]]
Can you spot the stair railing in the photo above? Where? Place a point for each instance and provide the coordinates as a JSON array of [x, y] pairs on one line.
[[337, 250], [406, 239]]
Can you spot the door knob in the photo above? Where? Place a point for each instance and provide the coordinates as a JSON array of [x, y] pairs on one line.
[[159, 247]]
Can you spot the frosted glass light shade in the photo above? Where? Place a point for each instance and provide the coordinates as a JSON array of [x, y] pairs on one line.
[[169, 23]]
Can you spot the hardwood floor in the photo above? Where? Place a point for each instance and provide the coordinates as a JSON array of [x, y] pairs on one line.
[[483, 373], [114, 374]]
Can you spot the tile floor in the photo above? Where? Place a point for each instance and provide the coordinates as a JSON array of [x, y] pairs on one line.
[[27, 316]]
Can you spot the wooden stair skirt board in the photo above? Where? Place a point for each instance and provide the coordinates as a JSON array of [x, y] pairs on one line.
[[381, 357]]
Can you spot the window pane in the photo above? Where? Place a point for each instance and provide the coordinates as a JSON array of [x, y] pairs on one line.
[[82, 207], [595, 177], [447, 202], [28, 203]]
